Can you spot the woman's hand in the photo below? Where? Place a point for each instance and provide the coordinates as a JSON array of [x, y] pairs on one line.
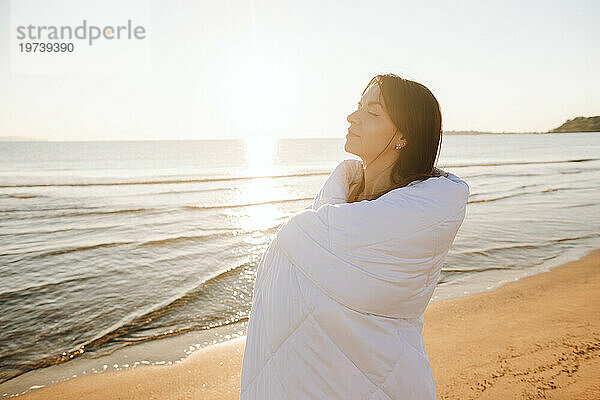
[[439, 172], [353, 189]]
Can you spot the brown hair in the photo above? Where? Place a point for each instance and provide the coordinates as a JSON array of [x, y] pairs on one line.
[[416, 113]]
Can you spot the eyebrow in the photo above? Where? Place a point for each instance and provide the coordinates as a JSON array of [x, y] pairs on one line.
[[370, 103]]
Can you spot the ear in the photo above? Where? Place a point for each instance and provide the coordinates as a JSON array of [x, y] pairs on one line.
[[400, 138]]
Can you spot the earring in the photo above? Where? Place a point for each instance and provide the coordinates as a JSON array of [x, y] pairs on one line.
[[399, 146]]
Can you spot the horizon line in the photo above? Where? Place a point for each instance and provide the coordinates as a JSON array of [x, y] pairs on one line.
[[451, 132]]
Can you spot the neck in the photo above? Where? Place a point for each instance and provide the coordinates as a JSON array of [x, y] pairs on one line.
[[378, 174]]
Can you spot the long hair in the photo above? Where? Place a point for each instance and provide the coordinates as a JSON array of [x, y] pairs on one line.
[[416, 113]]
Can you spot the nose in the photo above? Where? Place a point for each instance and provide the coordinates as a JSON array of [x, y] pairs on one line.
[[352, 118]]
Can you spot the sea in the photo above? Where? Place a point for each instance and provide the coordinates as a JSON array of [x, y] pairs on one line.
[[119, 254]]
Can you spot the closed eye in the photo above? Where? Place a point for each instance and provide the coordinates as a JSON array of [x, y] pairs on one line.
[[370, 112]]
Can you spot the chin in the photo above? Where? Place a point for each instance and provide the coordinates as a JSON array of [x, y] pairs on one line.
[[349, 149]]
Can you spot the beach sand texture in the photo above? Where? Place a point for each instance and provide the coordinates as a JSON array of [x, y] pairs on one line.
[[535, 338]]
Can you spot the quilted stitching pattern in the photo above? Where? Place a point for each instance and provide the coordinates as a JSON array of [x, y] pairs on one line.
[[305, 343], [307, 326]]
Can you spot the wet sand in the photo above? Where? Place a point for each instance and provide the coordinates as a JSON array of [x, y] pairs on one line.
[[536, 338]]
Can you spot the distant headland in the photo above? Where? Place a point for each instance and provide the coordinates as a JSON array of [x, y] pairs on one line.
[[579, 124]]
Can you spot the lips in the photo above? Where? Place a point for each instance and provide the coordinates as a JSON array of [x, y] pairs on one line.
[[351, 134]]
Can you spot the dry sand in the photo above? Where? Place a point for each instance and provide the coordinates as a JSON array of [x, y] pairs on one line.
[[536, 338]]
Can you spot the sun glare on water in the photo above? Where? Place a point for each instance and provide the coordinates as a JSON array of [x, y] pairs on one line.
[[261, 95], [260, 193]]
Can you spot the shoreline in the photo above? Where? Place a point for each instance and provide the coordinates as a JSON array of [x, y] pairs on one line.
[[174, 349], [493, 344]]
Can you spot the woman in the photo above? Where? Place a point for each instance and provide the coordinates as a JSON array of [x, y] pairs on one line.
[[340, 292]]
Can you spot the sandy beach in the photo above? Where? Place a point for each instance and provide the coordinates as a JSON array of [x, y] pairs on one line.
[[535, 338]]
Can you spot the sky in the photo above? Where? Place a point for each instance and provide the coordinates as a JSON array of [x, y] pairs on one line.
[[238, 69]]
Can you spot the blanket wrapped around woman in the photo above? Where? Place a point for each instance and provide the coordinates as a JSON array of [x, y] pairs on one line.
[[340, 293]]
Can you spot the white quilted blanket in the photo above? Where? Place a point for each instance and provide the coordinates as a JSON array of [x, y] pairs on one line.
[[340, 292]]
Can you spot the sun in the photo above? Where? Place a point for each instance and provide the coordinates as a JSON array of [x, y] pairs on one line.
[[261, 94]]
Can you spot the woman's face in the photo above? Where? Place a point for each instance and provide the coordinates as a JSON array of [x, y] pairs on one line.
[[371, 128]]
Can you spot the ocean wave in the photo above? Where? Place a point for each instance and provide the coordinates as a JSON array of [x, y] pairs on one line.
[[248, 204], [226, 232], [466, 271], [549, 190], [500, 175], [588, 236], [583, 205], [77, 249], [169, 192], [546, 243], [76, 213], [15, 210], [167, 181], [183, 239], [70, 230], [496, 249], [502, 163], [300, 174], [107, 212], [119, 332], [21, 196], [35, 289]]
